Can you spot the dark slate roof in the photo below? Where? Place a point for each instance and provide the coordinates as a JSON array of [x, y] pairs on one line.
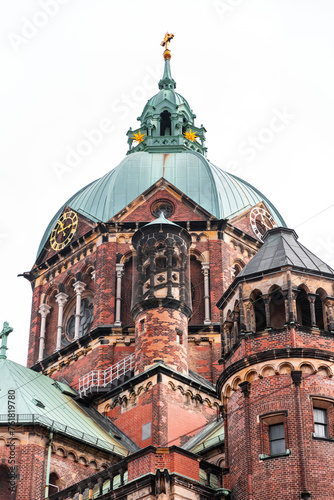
[[281, 248]]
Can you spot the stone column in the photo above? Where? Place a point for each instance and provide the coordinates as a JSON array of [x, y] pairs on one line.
[[205, 271], [152, 272], [79, 288], [311, 298], [44, 310], [169, 255], [329, 305], [267, 310], [119, 274], [61, 300]]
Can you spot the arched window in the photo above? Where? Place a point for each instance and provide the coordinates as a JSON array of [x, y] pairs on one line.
[[277, 308], [54, 483], [197, 291], [165, 123], [236, 268], [5, 492], [303, 308], [319, 311], [86, 319], [259, 311]]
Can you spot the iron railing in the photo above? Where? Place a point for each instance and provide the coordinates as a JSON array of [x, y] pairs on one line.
[[49, 423], [103, 378]]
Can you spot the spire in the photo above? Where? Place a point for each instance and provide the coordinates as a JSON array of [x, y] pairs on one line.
[[3, 336], [167, 121], [167, 81]]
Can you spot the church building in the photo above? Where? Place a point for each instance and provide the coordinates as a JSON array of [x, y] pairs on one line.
[[181, 341]]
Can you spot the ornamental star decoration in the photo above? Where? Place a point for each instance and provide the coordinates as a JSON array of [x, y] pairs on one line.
[[138, 137], [190, 135]]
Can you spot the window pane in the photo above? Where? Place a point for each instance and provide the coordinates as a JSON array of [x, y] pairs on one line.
[[277, 447], [320, 430], [276, 431], [320, 416]]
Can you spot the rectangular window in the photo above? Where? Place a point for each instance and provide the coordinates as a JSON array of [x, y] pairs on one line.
[[277, 439], [179, 337], [320, 422], [142, 325]]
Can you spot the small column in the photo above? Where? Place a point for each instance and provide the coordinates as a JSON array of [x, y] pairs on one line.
[[152, 272], [169, 255], [44, 310], [79, 288], [205, 271], [329, 304], [119, 274], [311, 298], [236, 318], [61, 300], [267, 310]]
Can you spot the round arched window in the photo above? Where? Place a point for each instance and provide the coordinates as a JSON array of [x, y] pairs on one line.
[[86, 320]]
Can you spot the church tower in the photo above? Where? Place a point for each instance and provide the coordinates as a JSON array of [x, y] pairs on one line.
[[181, 336]]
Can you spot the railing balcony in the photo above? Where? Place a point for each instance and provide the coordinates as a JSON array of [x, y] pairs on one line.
[[105, 378]]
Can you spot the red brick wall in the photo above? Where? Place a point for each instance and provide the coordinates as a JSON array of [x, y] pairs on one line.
[[35, 325], [280, 477], [104, 304], [216, 277], [278, 340], [174, 421], [126, 295], [181, 212], [197, 280], [130, 419], [158, 340], [173, 461]]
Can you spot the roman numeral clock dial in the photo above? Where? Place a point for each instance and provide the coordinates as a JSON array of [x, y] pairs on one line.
[[261, 221], [64, 230]]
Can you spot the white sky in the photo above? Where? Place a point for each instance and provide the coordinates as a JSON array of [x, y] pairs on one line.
[[239, 63]]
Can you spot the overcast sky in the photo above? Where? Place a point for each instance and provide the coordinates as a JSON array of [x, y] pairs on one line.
[[258, 74]]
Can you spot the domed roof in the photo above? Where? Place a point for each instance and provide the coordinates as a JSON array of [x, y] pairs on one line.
[[220, 193], [169, 95]]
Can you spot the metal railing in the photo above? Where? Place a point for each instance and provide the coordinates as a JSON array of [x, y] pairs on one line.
[[49, 423], [103, 378]]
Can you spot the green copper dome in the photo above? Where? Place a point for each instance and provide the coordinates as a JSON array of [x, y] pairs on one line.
[[170, 146], [220, 193]]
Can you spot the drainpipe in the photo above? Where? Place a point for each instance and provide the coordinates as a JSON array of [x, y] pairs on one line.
[[48, 466], [296, 376], [245, 389]]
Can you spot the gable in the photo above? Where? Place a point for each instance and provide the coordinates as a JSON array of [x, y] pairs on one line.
[[69, 227], [254, 221], [162, 196]]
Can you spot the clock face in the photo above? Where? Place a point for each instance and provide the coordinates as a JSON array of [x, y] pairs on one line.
[[64, 230], [261, 221]]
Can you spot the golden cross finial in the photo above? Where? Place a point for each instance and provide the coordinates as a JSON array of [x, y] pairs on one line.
[[165, 43], [166, 40]]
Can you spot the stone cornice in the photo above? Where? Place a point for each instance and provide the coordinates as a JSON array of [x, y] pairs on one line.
[[265, 356]]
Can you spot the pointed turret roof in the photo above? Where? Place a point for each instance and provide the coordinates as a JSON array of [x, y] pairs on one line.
[[167, 81], [281, 248]]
